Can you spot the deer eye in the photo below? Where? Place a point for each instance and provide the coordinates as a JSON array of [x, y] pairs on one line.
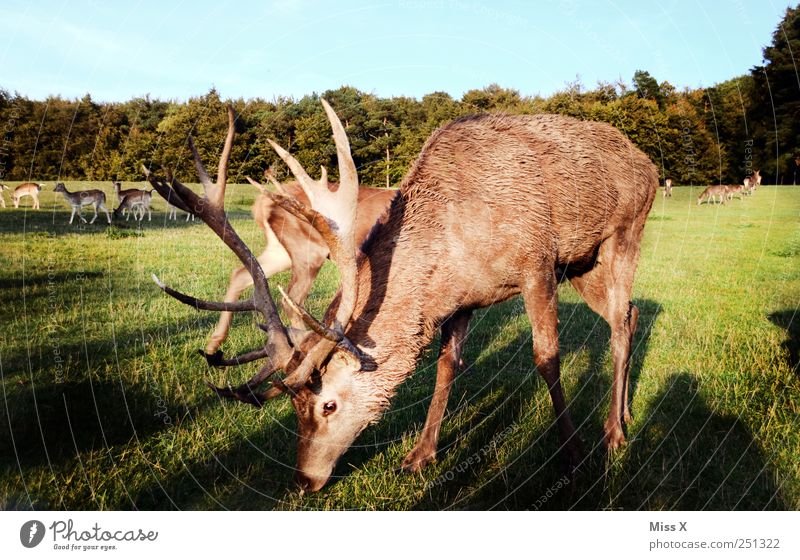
[[328, 408]]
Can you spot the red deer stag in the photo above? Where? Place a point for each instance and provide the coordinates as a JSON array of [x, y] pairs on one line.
[[493, 207], [295, 244]]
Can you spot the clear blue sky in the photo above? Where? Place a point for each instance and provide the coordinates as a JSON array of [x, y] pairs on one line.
[[117, 50]]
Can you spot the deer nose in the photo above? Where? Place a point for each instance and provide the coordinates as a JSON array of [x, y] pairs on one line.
[[307, 483]]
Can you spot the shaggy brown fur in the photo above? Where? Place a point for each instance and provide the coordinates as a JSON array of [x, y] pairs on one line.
[[495, 206]]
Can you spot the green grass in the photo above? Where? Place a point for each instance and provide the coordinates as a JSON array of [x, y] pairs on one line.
[[105, 406]]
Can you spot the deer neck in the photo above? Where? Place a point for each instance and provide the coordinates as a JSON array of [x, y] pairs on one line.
[[394, 319]]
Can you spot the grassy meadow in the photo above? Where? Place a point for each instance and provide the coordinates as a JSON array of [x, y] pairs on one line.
[[105, 404]]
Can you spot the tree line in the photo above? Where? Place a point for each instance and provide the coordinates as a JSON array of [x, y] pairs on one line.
[[700, 136]]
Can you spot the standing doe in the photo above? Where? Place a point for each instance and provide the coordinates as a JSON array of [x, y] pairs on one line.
[[668, 188], [27, 189], [78, 199], [494, 206], [711, 193]]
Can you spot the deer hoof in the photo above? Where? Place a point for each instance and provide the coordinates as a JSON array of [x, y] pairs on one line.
[[627, 417], [418, 459], [614, 437]]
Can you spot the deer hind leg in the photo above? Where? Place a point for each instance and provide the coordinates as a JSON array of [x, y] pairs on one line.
[[273, 260], [35, 201], [607, 289], [303, 275], [95, 213], [541, 304], [454, 331]]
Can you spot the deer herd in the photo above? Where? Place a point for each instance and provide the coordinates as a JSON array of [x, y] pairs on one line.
[[494, 206]]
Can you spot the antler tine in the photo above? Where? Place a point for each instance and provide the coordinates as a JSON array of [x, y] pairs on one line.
[[257, 185], [215, 192], [205, 180], [172, 191], [309, 185], [222, 168], [347, 204], [338, 212], [270, 176]]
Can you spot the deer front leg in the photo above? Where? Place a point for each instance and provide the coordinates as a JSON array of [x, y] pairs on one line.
[[541, 304], [72, 216], [454, 331]]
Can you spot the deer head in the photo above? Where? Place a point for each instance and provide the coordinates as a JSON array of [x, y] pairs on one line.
[[325, 372]]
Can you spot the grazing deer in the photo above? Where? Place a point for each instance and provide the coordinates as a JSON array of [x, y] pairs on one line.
[[27, 189], [494, 206], [77, 200], [668, 188], [2, 197], [295, 244], [711, 193], [136, 203], [731, 190], [122, 193]]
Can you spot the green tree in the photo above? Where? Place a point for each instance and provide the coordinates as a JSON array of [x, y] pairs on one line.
[[774, 115]]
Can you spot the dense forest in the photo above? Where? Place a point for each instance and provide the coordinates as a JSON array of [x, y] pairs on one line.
[[695, 136]]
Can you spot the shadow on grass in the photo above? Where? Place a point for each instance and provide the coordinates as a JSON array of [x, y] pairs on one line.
[[254, 472], [48, 424], [49, 222], [789, 319], [531, 465], [687, 457], [33, 281]]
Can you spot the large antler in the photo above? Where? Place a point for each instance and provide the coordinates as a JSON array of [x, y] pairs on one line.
[[210, 209], [333, 214]]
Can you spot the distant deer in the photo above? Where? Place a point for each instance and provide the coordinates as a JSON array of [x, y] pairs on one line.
[[711, 193], [122, 193], [136, 203], [753, 182], [78, 199], [295, 244], [668, 188], [756, 179], [494, 206], [27, 189], [732, 190], [172, 213], [2, 197]]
